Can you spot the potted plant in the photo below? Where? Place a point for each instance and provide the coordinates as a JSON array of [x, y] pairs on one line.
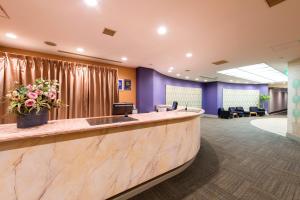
[[31, 103], [263, 99]]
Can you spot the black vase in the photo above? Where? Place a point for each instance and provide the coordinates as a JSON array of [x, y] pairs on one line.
[[33, 119]]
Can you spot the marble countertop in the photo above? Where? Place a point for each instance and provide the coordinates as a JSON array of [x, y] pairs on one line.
[[9, 132]]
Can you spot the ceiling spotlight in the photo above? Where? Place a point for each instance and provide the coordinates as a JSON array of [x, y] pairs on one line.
[[162, 30], [80, 50], [187, 77], [188, 55], [91, 3], [178, 75], [171, 68], [231, 81], [11, 35], [170, 71], [124, 58], [205, 80], [196, 79]]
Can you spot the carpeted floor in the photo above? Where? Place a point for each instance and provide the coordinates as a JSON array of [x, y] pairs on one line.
[[236, 161]]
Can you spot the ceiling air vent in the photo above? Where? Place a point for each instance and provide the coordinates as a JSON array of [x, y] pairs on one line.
[[274, 2], [109, 32], [3, 13], [50, 43], [220, 62]]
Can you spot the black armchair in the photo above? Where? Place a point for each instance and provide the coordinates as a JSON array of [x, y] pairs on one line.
[[233, 112], [259, 111], [174, 106], [224, 114], [242, 112]]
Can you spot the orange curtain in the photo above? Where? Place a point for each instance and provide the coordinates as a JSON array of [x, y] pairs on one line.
[[87, 90]]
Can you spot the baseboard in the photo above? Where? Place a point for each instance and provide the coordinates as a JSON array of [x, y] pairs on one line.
[[210, 116], [279, 111], [293, 137]]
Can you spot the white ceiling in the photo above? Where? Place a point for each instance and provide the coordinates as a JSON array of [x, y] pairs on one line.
[[244, 32]]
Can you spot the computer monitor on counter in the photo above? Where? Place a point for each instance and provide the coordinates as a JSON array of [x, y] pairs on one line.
[[122, 109]]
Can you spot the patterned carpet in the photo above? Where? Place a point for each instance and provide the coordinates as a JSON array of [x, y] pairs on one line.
[[236, 161]]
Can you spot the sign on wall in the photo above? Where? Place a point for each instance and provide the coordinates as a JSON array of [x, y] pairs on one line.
[[243, 98], [120, 84], [192, 97], [127, 84]]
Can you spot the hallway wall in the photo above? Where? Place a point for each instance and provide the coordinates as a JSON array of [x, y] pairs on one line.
[[279, 99], [294, 100]]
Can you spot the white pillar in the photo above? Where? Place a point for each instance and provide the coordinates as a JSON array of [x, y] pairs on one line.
[[294, 100]]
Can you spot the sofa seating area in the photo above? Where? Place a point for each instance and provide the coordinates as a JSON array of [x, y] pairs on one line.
[[235, 112]]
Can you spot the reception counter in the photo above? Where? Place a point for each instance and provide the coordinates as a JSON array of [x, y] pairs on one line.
[[73, 160]]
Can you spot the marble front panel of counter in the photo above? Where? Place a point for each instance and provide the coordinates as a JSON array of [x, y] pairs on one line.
[[95, 163]]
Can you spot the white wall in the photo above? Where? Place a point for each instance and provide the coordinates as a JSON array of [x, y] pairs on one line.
[[243, 98], [192, 97]]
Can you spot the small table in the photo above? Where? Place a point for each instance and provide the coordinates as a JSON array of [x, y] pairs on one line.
[[253, 114], [235, 115], [246, 114]]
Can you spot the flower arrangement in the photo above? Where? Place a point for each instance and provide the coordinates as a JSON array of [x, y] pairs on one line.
[[34, 97]]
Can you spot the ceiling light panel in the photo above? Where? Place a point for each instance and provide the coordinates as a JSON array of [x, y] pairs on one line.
[[91, 3], [261, 73]]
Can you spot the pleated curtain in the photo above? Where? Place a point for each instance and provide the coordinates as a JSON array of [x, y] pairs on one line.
[[86, 90]]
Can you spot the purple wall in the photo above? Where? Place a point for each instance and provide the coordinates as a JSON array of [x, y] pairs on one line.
[[210, 98], [144, 78], [151, 90]]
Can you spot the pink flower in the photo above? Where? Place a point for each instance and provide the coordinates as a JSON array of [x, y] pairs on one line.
[[32, 95], [29, 87], [52, 95], [30, 103], [39, 92]]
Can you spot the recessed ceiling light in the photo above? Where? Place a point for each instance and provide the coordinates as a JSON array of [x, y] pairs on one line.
[[162, 30], [124, 58], [205, 80], [196, 79], [91, 3], [11, 35], [170, 71], [178, 75], [187, 77], [231, 80], [188, 55], [171, 68], [80, 50]]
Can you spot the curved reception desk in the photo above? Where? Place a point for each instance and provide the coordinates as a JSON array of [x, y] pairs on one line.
[[98, 158]]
